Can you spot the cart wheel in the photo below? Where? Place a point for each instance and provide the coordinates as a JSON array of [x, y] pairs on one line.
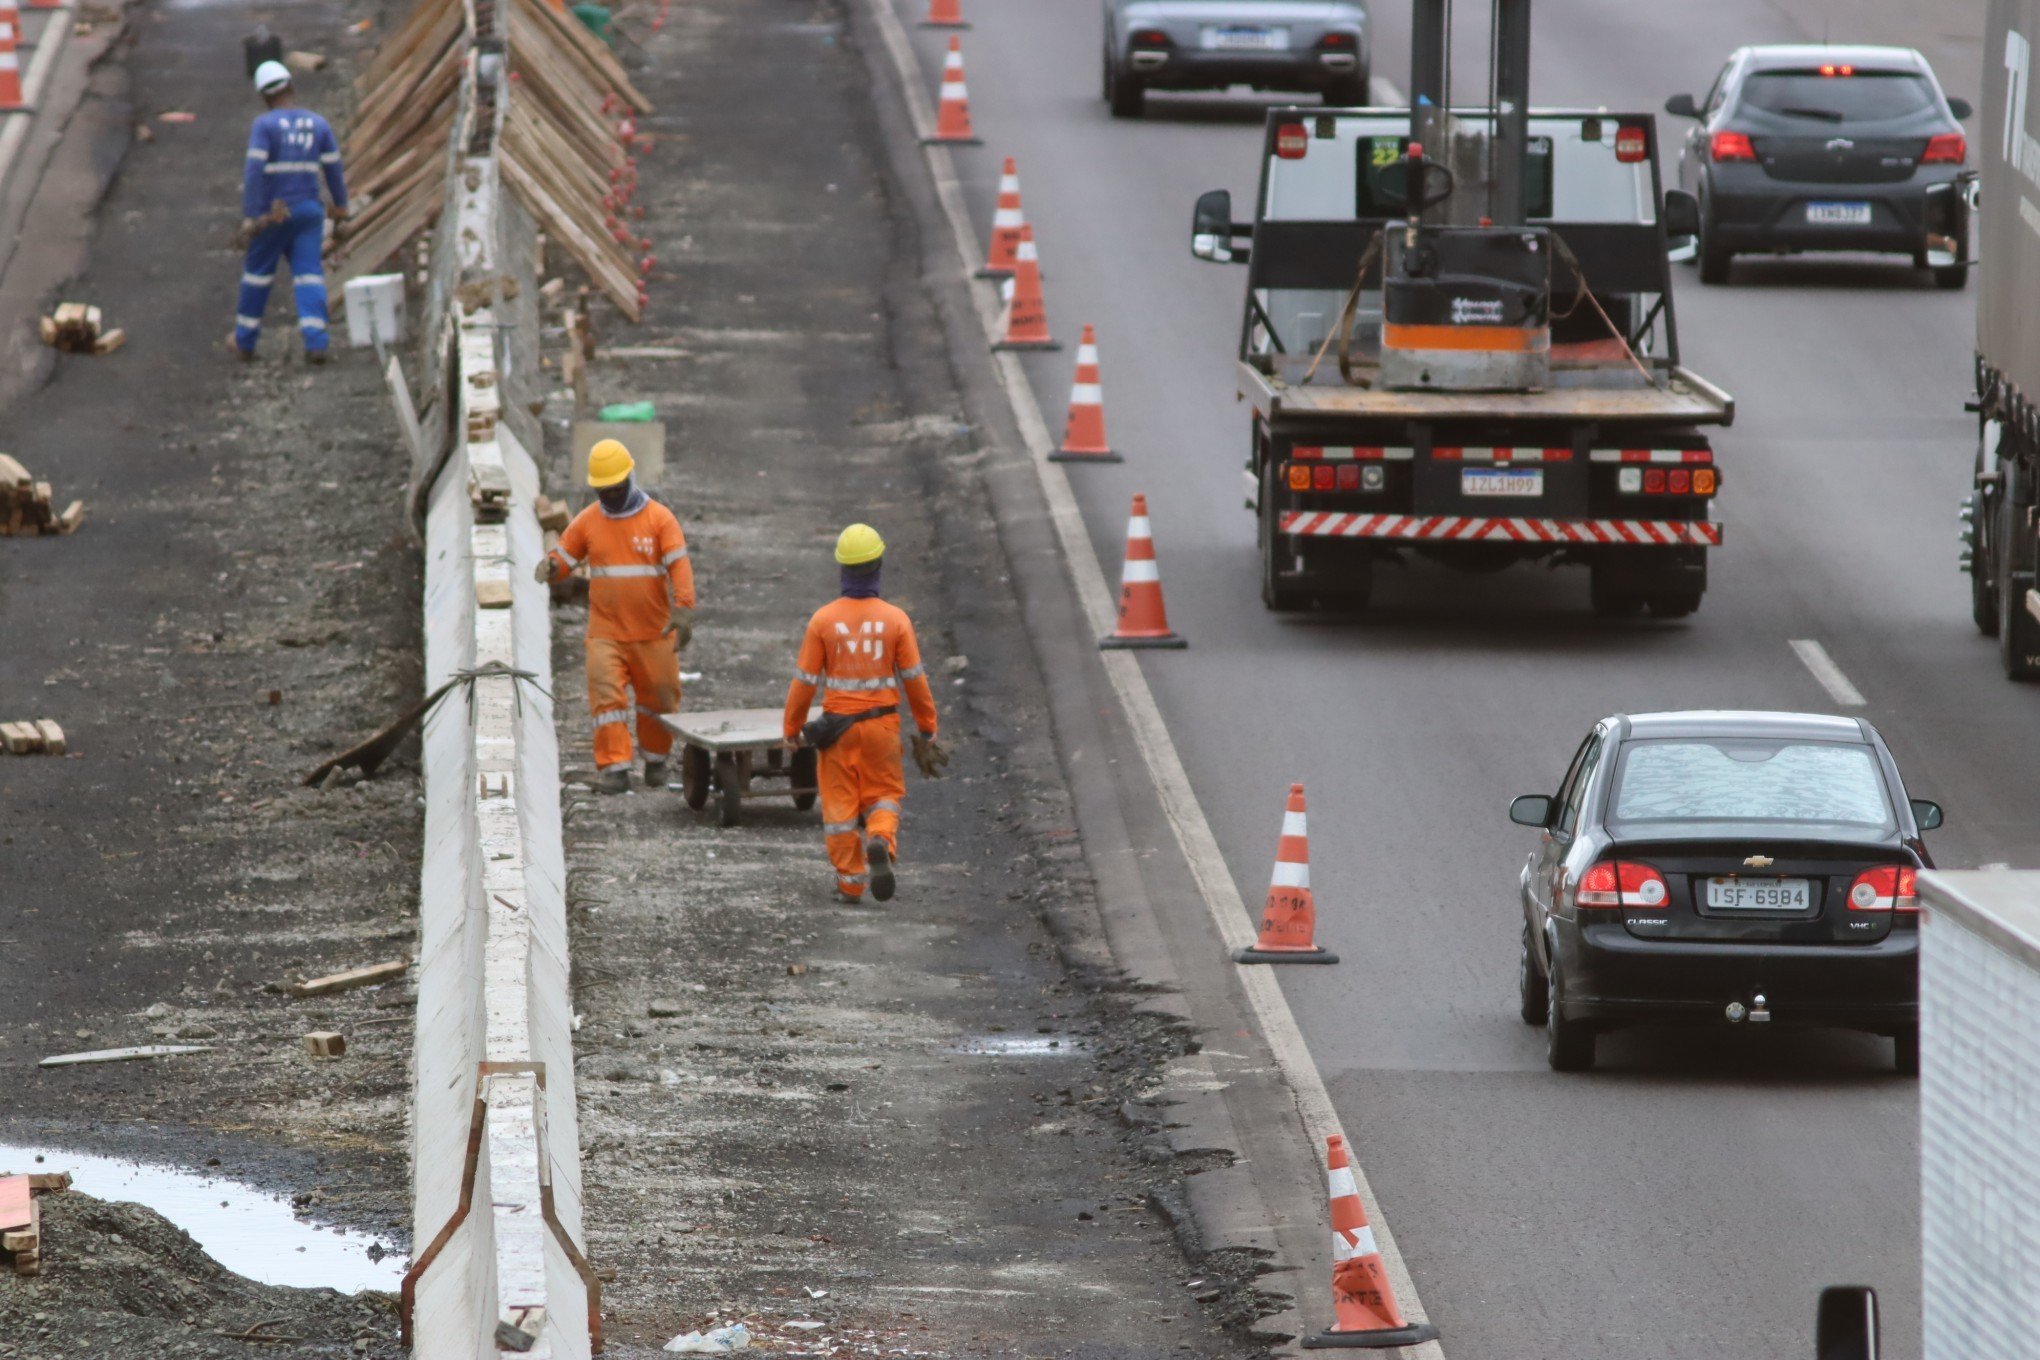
[[729, 786], [806, 766], [694, 775]]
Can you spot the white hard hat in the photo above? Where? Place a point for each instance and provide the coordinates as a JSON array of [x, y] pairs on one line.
[[271, 76]]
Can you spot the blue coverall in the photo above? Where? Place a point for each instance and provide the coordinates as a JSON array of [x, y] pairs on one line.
[[289, 150]]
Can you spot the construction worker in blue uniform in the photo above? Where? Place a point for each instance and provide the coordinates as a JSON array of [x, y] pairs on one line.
[[290, 150]]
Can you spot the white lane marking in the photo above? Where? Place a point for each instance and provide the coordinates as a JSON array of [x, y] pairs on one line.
[[1388, 95], [1221, 895], [1815, 658]]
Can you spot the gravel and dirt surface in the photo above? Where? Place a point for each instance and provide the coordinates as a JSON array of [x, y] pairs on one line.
[[915, 1128], [241, 599]]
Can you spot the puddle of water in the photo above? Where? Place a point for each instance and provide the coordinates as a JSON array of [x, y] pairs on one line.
[[249, 1231], [1016, 1046]]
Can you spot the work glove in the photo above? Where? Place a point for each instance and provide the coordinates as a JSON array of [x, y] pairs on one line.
[[245, 233], [681, 629], [931, 757], [546, 569]]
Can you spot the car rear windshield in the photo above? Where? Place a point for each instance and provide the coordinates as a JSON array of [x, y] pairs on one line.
[[1812, 788], [1866, 96]]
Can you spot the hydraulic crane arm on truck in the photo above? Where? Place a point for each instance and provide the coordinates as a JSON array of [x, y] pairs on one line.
[[1471, 356]]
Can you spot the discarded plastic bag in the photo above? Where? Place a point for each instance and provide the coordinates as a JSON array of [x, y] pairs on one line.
[[633, 411], [720, 1341]]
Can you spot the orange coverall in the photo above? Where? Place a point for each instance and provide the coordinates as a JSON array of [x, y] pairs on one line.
[[863, 653], [638, 571]]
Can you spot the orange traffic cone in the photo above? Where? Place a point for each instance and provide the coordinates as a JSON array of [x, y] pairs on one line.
[[952, 110], [1364, 1312], [1142, 620], [1289, 921], [1003, 254], [944, 14], [10, 60], [1084, 431], [1026, 311]]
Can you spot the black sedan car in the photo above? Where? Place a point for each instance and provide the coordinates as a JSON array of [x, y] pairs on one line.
[[1826, 148], [1727, 868]]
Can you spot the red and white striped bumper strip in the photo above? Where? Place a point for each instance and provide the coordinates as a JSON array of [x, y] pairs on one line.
[[1447, 453], [1327, 453], [1483, 529], [1652, 455]]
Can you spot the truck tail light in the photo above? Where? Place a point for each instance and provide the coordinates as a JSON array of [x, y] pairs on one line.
[[1654, 482], [1349, 476], [1946, 148], [1299, 477], [1292, 140], [1888, 887], [1631, 145], [1322, 476], [1731, 146], [1679, 482], [1622, 883], [1704, 482]]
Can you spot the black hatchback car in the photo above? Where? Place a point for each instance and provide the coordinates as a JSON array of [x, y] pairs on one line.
[[1732, 868], [1808, 148]]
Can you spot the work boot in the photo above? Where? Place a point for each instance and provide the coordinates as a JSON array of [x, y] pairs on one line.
[[655, 774], [881, 869], [315, 356], [613, 781]]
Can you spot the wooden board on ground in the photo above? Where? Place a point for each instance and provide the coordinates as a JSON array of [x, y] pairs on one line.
[[352, 978], [17, 1201], [107, 1055], [646, 440]]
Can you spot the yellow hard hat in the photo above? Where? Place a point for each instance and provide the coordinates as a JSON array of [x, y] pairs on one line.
[[859, 544], [609, 462]]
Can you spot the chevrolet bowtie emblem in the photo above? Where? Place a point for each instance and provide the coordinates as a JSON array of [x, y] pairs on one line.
[[1758, 862]]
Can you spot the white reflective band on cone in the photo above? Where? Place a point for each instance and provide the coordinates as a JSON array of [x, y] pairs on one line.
[[1292, 824], [1086, 394], [1289, 875], [1007, 217], [9, 62], [1138, 572], [1361, 1245], [1138, 527], [1340, 1184]]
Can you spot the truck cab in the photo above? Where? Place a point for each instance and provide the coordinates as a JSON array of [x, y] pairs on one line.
[[1575, 435]]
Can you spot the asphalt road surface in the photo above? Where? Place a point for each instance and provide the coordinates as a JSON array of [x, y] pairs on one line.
[[1691, 1196]]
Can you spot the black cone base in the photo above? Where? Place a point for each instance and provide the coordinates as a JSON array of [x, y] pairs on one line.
[[1115, 643], [1027, 344], [1060, 457], [1252, 955], [1411, 1335]]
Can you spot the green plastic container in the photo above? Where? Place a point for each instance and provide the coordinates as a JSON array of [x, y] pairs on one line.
[[595, 18]]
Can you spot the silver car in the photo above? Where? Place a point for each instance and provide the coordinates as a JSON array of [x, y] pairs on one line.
[[1314, 46]]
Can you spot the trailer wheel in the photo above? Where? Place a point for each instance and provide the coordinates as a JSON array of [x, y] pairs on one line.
[[2018, 630], [694, 776], [1982, 563], [1278, 595], [1674, 604]]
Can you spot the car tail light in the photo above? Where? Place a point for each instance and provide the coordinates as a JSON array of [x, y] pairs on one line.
[[1732, 146], [1299, 477], [1631, 145], [1292, 140], [1704, 482], [1149, 38], [1888, 887], [1621, 883], [1349, 476], [1947, 148], [1339, 42], [1321, 477]]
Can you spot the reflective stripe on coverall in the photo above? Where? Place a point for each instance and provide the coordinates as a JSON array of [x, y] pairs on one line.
[[861, 653], [639, 570]]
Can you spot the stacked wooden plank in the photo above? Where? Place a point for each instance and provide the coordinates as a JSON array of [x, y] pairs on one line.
[[397, 141], [21, 1218], [561, 154], [28, 506], [41, 737]]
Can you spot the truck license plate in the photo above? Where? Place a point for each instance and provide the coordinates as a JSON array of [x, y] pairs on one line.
[[1759, 894], [1240, 38], [1838, 214], [1497, 482]]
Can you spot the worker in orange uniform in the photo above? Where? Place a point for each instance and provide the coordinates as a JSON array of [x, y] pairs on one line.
[[640, 614], [862, 652]]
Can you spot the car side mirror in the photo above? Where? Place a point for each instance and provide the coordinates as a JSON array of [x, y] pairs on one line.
[[1845, 1325], [1961, 108], [1946, 223], [1927, 813], [1681, 217], [1532, 809], [1212, 229], [1682, 106]]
